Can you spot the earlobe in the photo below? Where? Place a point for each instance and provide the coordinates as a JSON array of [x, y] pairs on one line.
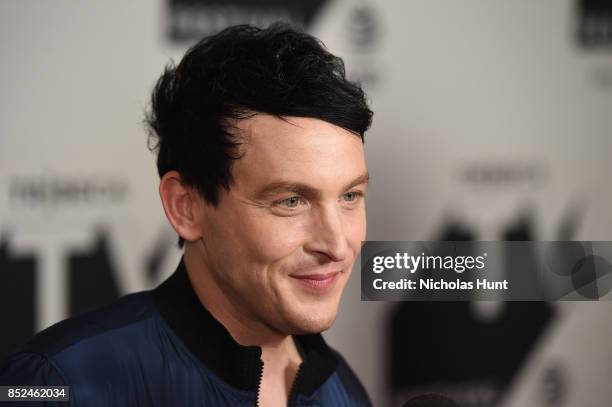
[[181, 204]]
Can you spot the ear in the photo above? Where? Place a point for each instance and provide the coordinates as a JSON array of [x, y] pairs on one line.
[[182, 205]]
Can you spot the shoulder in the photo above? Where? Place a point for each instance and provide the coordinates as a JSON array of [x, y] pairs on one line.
[[351, 382], [89, 342], [97, 327], [32, 369]]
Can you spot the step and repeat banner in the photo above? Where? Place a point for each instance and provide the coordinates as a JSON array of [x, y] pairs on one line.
[[492, 123]]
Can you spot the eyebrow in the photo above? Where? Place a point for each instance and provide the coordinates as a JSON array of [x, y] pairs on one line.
[[304, 189]]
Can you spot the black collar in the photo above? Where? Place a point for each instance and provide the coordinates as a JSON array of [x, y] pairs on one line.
[[239, 366]]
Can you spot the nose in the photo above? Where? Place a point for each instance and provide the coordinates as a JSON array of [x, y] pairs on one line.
[[327, 235]]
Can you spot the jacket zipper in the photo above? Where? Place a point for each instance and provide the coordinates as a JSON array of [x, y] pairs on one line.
[[261, 367], [292, 400]]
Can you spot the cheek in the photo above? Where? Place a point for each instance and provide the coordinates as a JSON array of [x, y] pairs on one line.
[[275, 238]]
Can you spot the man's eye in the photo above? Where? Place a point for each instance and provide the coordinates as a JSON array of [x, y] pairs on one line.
[[292, 202], [351, 196]]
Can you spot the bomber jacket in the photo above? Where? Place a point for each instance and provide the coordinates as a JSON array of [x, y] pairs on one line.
[[163, 348]]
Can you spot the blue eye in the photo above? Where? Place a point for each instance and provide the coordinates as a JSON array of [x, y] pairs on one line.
[[351, 196], [292, 202]]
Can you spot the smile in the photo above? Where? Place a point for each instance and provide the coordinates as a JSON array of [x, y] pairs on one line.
[[318, 282]]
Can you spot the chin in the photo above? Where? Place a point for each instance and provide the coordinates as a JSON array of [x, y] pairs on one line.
[[310, 323]]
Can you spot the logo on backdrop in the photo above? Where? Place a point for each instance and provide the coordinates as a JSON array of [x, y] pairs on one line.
[[594, 24], [62, 251], [190, 20], [493, 347], [363, 31]]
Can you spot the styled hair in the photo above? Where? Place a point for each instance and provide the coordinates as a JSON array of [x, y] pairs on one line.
[[241, 71]]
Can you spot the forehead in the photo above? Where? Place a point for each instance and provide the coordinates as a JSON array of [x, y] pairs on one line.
[[296, 149]]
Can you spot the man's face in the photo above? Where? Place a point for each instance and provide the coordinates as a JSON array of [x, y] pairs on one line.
[[282, 241]]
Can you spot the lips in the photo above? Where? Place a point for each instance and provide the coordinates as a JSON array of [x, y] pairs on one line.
[[319, 277], [317, 282]]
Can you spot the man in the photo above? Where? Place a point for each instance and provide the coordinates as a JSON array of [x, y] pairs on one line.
[[260, 152]]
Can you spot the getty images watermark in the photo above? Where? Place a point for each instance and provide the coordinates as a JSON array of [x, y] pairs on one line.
[[498, 271]]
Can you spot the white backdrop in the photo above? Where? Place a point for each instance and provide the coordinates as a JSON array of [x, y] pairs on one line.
[[462, 92]]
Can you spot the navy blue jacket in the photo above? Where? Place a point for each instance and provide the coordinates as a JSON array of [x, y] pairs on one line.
[[163, 348]]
